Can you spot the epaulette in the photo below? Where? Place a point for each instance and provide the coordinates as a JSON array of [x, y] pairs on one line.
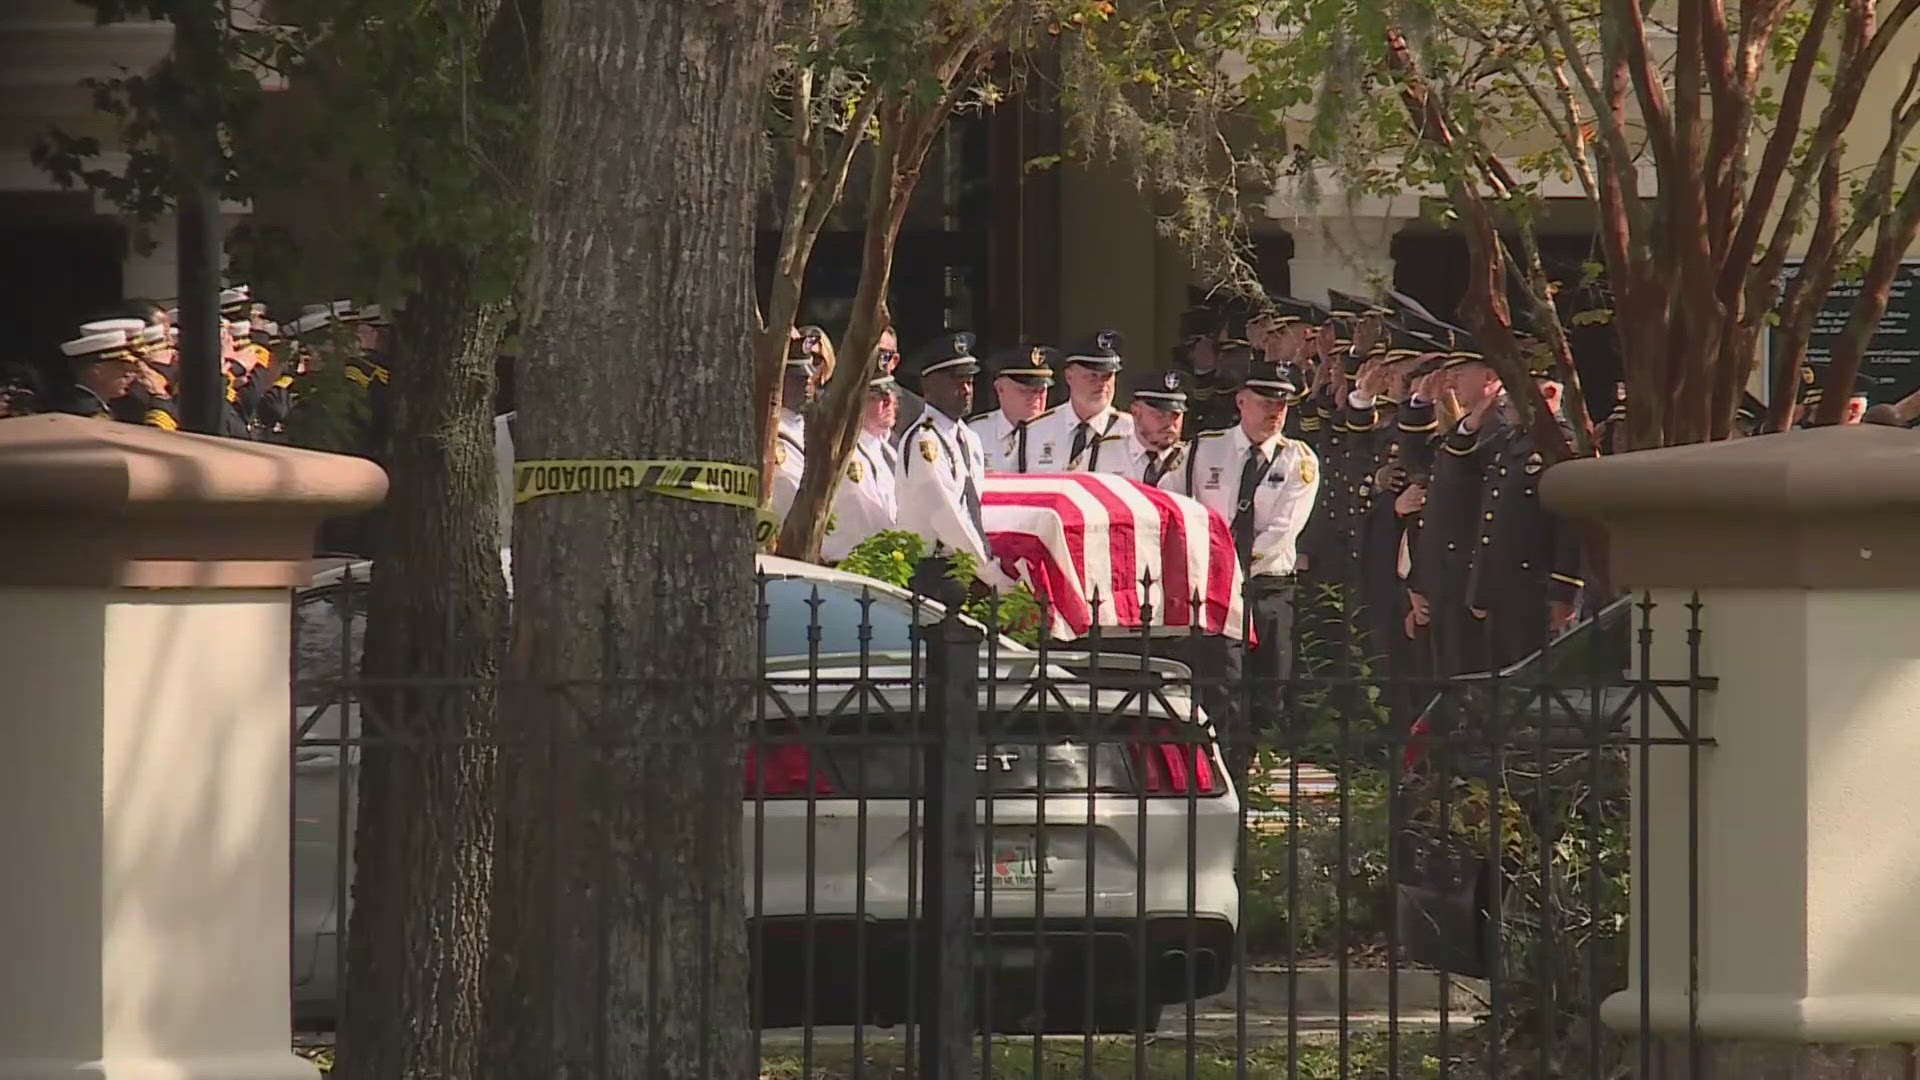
[[1212, 434], [162, 419], [1109, 438], [1046, 414], [979, 416]]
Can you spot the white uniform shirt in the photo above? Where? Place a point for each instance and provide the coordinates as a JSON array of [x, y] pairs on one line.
[[1126, 455], [1000, 438], [1050, 438], [940, 458], [863, 503], [503, 474], [789, 460], [1281, 504]]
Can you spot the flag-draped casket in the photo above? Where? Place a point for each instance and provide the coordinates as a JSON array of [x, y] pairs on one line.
[[1077, 537]]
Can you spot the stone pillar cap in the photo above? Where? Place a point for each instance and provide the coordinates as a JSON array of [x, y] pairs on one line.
[[1830, 507], [90, 503]]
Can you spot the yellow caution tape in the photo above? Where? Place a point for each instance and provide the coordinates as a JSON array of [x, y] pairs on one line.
[[701, 481]]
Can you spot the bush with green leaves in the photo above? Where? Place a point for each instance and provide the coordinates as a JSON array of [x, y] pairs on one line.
[[891, 556]]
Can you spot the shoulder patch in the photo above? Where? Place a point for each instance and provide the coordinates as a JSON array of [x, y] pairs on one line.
[[928, 451], [853, 469], [779, 454], [1307, 469]]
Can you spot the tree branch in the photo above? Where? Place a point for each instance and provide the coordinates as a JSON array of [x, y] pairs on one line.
[[1895, 236], [1860, 53], [1609, 119], [1801, 304], [1652, 94], [1778, 152]]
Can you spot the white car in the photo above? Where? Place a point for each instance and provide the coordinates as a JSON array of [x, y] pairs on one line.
[[1127, 888]]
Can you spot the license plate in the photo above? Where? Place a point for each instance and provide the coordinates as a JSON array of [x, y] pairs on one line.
[[1010, 865]]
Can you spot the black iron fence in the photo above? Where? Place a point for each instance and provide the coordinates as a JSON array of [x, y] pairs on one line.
[[960, 855]]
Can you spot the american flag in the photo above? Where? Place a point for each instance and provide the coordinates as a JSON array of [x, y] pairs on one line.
[[1074, 536]]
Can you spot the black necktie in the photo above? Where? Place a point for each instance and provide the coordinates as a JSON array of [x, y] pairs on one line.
[[1020, 446], [969, 490], [1079, 444], [1254, 471], [1157, 466]]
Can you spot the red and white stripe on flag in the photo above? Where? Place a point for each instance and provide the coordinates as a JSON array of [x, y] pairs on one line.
[[1074, 536]]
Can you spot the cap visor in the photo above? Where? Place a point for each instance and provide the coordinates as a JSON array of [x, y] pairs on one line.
[[1097, 363], [1025, 379]]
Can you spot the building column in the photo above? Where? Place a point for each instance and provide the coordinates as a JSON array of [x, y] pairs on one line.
[[1353, 254], [1804, 552], [144, 793]]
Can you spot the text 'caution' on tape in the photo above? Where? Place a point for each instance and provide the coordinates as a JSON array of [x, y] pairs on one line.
[[701, 481]]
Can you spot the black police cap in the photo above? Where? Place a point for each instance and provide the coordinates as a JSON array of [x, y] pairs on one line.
[[1031, 364], [1099, 351], [1270, 380], [947, 353], [1165, 389]]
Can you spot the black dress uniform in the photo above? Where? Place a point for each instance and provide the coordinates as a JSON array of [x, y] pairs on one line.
[[1449, 539], [1210, 392], [1528, 557]]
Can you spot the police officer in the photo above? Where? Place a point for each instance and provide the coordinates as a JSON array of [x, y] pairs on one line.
[[942, 464], [1067, 438], [102, 367], [790, 435], [1154, 448], [1449, 539], [1264, 484], [1212, 387], [1022, 375], [1526, 577], [864, 501]]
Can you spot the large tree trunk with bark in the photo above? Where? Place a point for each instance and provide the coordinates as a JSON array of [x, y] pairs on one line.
[[619, 945], [423, 853], [423, 859]]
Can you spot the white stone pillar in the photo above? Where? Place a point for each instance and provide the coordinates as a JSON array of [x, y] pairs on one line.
[[1804, 549], [1351, 253], [144, 807]]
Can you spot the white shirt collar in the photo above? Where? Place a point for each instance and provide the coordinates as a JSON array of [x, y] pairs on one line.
[[1099, 419], [790, 418], [941, 421], [1242, 443]]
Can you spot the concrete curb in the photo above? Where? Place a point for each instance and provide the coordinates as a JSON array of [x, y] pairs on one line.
[[1316, 991]]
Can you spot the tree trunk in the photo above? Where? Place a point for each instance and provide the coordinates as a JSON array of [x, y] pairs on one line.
[[619, 944], [423, 854], [1897, 234], [836, 421]]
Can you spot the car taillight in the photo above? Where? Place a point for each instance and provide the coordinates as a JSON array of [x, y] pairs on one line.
[[1175, 768], [783, 770]]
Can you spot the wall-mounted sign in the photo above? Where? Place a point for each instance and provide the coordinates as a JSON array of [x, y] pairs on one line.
[[1891, 367]]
